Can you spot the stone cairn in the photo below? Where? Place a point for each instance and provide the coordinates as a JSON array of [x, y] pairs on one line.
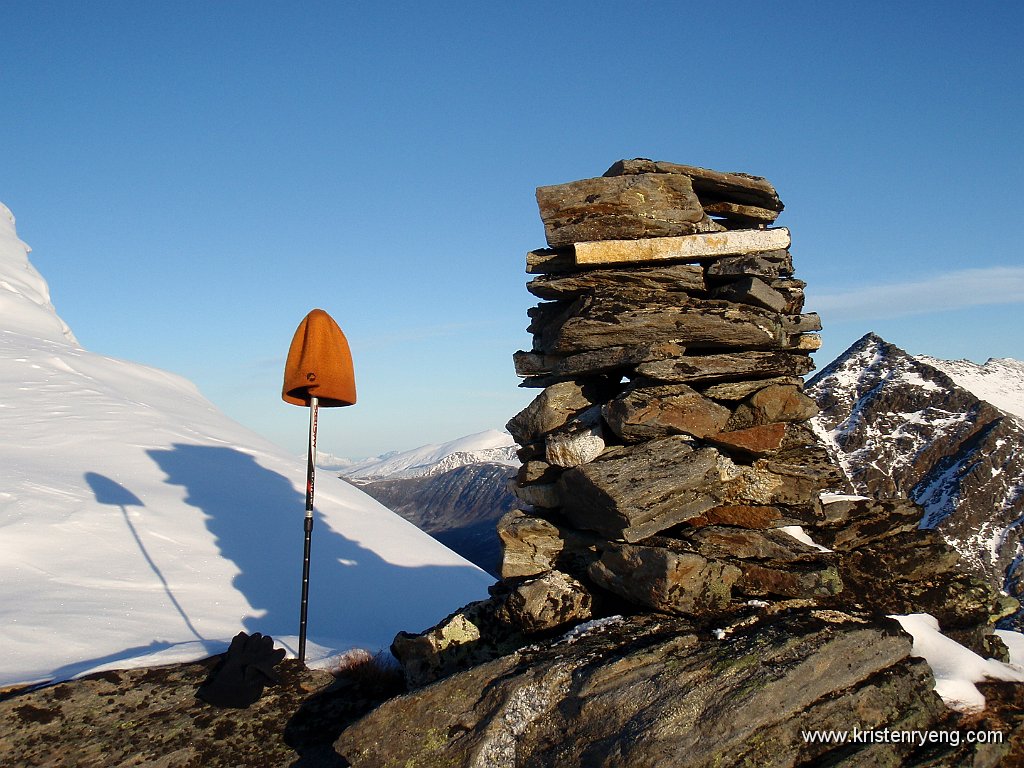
[[667, 463], [668, 445]]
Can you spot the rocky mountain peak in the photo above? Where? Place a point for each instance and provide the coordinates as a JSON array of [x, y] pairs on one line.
[[907, 426]]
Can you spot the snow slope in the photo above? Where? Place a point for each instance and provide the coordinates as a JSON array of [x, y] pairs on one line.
[[1000, 381], [957, 668], [492, 445], [139, 525]]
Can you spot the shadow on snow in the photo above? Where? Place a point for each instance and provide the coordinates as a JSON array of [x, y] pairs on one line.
[[111, 492], [356, 597]]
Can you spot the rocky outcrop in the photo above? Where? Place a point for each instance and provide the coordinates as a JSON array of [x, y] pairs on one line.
[[517, 612], [901, 427], [669, 449], [656, 690], [151, 717]]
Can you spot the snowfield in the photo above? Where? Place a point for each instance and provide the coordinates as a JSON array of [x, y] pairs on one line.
[[139, 525], [999, 381]]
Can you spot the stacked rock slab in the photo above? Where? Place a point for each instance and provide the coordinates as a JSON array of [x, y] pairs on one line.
[[668, 447], [667, 455], [666, 461]]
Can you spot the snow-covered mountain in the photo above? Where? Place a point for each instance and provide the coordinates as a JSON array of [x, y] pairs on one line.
[[931, 430], [1000, 381], [455, 491], [139, 525], [459, 507], [491, 446]]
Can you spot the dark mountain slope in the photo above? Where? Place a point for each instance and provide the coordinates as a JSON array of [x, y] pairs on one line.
[[900, 426], [459, 508]]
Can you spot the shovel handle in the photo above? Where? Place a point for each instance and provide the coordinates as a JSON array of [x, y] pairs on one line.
[[307, 525], [311, 455]]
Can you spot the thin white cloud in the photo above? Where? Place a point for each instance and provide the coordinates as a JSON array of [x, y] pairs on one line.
[[951, 290]]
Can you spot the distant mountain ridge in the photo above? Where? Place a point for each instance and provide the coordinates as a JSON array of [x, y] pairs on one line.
[[927, 429], [455, 491], [999, 381], [460, 507], [490, 446]]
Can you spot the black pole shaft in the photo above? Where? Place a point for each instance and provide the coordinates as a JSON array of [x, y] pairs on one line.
[[307, 525]]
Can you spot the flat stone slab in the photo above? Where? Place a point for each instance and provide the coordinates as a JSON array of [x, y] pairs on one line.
[[552, 408], [753, 290], [636, 492], [547, 261], [673, 581], [734, 366], [753, 516], [740, 188], [605, 322], [769, 264], [622, 207], [771, 545], [742, 215], [532, 545], [793, 581], [644, 280], [761, 440], [643, 413], [775, 403], [550, 601], [740, 390], [594, 361], [694, 247]]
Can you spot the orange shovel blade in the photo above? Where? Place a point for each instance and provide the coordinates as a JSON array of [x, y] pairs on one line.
[[319, 364]]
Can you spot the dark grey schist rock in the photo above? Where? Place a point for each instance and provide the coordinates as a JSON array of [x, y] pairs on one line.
[[695, 324], [658, 691], [713, 186], [621, 208], [640, 283], [647, 412], [721, 367], [637, 492]]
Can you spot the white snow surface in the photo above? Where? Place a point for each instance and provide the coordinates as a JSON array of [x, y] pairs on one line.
[[139, 525], [1000, 381], [798, 533], [24, 295], [491, 445], [956, 668]]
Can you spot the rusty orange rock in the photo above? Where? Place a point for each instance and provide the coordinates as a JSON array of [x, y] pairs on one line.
[[319, 364]]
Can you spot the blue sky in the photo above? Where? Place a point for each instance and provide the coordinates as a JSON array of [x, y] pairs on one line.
[[195, 177]]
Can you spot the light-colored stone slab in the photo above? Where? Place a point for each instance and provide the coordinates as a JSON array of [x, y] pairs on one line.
[[807, 342], [686, 247]]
